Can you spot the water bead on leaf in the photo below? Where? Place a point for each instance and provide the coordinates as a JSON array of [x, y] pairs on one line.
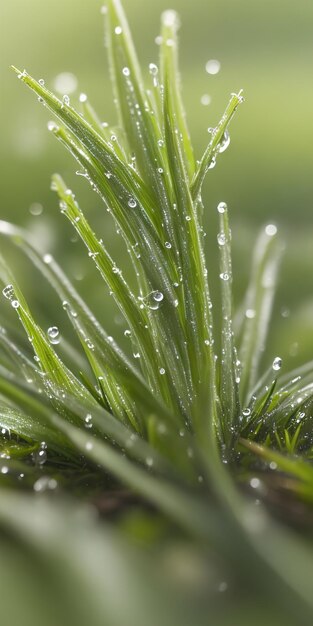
[[132, 203], [153, 300], [270, 230], [222, 207], [53, 334]]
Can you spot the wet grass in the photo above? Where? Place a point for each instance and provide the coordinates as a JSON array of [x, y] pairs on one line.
[[187, 418]]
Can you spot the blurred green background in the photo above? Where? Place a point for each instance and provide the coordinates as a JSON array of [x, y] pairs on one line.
[[265, 176]]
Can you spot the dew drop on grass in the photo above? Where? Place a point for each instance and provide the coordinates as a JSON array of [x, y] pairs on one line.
[[277, 363], [8, 292], [15, 304], [4, 469], [246, 412], [222, 207], [118, 30], [127, 333], [221, 239], [255, 483], [132, 203], [153, 300], [270, 230], [212, 67], [41, 82], [250, 314], [54, 334], [83, 97], [224, 276], [66, 99], [162, 371], [89, 445], [224, 143], [168, 245], [153, 69], [88, 420], [212, 163], [126, 71]]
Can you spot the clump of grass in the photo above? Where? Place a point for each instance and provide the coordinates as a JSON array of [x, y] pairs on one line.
[[180, 420]]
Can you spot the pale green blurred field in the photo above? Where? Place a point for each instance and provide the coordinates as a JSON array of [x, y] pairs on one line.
[[266, 174]]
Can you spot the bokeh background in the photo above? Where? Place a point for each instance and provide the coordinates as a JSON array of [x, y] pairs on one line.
[[264, 47]]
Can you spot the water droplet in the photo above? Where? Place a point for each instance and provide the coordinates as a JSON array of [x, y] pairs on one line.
[[52, 127], [221, 239], [222, 207], [89, 445], [53, 334], [205, 99], [132, 203], [153, 300], [66, 99], [36, 208], [4, 469], [8, 292], [47, 258], [277, 363], [66, 82], [127, 333], [224, 276], [224, 143], [250, 314], [88, 420], [45, 483], [83, 97], [255, 483], [153, 69], [271, 230], [168, 245], [212, 67], [212, 163], [126, 71], [188, 218], [40, 456], [246, 412], [162, 371], [160, 170], [41, 82], [136, 355], [15, 304], [118, 30]]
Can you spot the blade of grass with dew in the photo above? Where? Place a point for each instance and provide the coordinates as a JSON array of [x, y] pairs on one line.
[[82, 319], [196, 300], [140, 124], [169, 57], [257, 309], [229, 386], [134, 314], [216, 145]]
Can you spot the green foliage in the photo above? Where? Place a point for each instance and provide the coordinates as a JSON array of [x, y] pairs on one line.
[[190, 408]]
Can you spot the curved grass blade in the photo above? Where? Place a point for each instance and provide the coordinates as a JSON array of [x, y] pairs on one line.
[[216, 144], [257, 309]]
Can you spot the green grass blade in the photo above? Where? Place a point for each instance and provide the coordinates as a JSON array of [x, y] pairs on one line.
[[257, 309], [169, 60], [216, 145], [229, 387]]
